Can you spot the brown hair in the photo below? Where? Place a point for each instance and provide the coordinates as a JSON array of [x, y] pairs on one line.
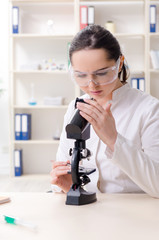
[[96, 37]]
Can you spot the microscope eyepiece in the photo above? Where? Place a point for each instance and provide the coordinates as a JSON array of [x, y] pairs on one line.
[[78, 128]]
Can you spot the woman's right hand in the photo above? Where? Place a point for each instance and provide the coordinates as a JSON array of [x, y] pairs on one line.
[[60, 176]]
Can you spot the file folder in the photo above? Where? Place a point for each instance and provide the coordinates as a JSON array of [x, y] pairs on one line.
[[90, 15], [83, 16], [15, 19], [138, 83], [153, 16], [18, 126], [18, 162], [134, 83], [26, 126], [142, 84]]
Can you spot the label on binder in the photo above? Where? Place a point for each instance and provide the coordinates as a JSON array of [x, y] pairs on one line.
[[90, 15], [26, 126], [152, 18], [18, 162], [15, 19], [18, 127]]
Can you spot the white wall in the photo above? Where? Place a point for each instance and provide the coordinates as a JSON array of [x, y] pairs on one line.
[[4, 116]]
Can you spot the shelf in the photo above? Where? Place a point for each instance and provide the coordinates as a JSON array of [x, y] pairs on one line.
[[137, 71], [42, 1], [156, 34], [41, 107], [153, 2], [154, 70], [101, 2], [41, 72], [36, 142], [35, 42], [136, 35], [19, 35]]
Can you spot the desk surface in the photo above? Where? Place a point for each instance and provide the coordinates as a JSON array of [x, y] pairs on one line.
[[112, 217]]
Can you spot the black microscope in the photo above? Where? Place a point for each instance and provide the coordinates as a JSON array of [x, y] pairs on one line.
[[79, 129]]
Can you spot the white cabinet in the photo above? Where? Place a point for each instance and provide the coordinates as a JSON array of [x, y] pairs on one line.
[[39, 63], [45, 30]]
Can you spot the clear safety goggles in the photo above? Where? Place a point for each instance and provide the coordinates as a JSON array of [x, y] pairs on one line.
[[99, 77]]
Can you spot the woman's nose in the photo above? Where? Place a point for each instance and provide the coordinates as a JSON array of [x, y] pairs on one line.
[[92, 82]]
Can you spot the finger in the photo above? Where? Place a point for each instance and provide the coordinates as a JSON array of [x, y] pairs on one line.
[[59, 173], [58, 163], [95, 104], [63, 168], [89, 110], [108, 107], [55, 171], [108, 103], [54, 180], [88, 118]]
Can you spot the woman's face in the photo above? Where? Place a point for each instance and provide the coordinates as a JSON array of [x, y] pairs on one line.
[[93, 60]]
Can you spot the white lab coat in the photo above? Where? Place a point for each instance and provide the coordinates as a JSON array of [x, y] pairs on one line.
[[134, 165]]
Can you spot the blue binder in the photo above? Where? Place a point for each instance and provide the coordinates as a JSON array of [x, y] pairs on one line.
[[15, 19], [134, 83], [153, 16], [138, 83], [18, 126], [18, 169], [26, 126], [142, 84]]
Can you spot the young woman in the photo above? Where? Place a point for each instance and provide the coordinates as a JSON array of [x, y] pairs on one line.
[[124, 121]]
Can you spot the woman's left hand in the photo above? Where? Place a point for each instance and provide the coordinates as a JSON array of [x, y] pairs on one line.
[[101, 119]]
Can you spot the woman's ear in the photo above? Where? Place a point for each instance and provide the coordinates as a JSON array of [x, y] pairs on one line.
[[121, 62]]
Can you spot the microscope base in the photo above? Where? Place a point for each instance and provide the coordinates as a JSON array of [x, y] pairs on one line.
[[80, 197]]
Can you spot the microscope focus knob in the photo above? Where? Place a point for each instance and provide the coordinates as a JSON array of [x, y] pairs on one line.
[[85, 153], [70, 152]]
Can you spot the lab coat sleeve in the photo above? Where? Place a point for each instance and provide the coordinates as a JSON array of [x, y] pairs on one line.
[[141, 164]]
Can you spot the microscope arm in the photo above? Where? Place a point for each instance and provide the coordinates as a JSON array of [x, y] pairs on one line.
[[75, 168]]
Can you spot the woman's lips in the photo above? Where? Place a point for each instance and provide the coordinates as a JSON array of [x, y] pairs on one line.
[[96, 92]]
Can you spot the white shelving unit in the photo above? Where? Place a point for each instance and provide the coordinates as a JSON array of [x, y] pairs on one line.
[[29, 47], [33, 43]]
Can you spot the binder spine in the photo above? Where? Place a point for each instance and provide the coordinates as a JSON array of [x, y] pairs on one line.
[[142, 84], [90, 15], [134, 83], [26, 126], [83, 17], [18, 170], [138, 83], [153, 18], [18, 127], [15, 19]]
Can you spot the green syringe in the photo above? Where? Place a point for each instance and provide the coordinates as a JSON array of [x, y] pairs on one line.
[[17, 221]]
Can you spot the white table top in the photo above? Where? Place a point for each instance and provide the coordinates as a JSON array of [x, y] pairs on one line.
[[112, 217]]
